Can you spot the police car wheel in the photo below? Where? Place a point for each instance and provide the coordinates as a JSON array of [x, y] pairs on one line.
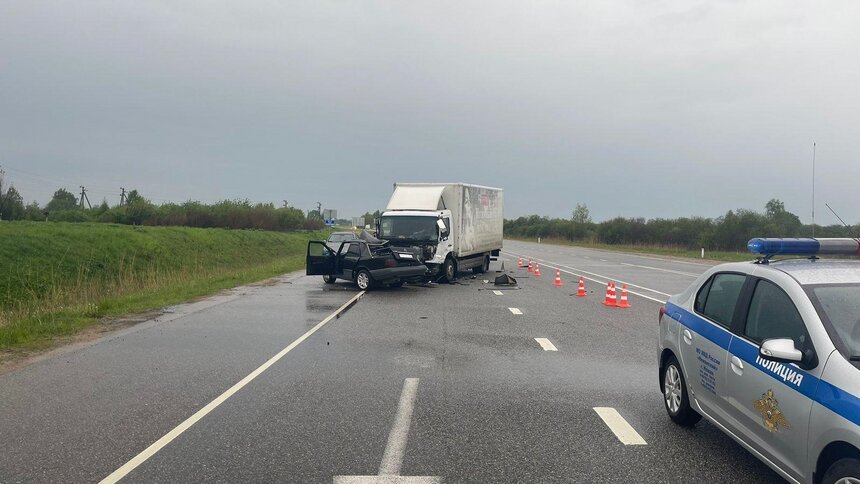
[[675, 396], [843, 471]]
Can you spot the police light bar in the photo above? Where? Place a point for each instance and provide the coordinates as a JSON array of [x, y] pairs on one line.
[[774, 246]]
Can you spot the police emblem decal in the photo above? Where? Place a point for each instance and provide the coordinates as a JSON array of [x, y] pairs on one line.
[[772, 416]]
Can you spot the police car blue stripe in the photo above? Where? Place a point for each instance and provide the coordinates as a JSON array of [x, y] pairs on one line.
[[839, 401]]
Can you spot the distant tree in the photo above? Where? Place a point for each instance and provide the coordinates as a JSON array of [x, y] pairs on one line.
[[133, 196], [33, 211], [102, 208], [62, 200], [581, 215], [12, 205], [774, 208]]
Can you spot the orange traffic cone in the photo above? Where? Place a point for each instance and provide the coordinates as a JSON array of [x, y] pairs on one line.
[[558, 278], [520, 263], [581, 292], [530, 266], [610, 296], [537, 269], [624, 303]]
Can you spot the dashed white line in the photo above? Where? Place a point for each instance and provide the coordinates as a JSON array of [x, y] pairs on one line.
[[616, 423], [176, 432], [392, 459], [497, 293], [546, 344], [515, 310]]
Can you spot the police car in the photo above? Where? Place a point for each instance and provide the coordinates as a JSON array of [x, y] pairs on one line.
[[769, 352]]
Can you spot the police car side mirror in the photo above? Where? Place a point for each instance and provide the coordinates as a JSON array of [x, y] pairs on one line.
[[781, 349]]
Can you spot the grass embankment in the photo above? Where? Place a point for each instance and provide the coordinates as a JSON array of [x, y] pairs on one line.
[[719, 256], [58, 278]]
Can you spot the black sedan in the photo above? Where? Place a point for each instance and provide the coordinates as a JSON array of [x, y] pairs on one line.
[[365, 263]]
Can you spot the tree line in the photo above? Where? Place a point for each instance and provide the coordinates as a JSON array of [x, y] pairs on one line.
[[730, 232], [65, 206]]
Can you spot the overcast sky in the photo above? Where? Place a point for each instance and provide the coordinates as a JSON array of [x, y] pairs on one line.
[[635, 108]]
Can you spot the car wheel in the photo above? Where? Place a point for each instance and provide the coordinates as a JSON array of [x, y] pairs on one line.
[[675, 396], [484, 267], [329, 279], [843, 471], [363, 280], [450, 269]]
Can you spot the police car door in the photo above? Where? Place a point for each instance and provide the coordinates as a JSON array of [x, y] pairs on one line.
[[705, 340], [767, 397]]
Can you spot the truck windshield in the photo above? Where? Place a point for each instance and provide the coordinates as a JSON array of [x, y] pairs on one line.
[[415, 228]]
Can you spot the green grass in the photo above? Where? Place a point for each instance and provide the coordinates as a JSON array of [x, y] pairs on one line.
[[718, 256], [58, 278]]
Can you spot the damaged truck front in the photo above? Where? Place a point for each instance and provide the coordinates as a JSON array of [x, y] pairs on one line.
[[455, 226]]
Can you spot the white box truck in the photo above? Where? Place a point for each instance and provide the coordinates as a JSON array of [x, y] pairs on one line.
[[457, 226]]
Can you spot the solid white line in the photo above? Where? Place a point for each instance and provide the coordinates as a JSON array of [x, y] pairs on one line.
[[582, 273], [616, 423], [392, 459], [546, 344], [662, 270], [515, 310], [387, 480], [176, 432], [497, 293]]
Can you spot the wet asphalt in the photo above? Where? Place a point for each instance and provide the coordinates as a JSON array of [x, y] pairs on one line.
[[491, 405]]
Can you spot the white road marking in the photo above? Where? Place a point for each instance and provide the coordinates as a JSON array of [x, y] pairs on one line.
[[581, 273], [603, 260], [662, 270], [392, 459], [497, 293], [515, 310], [182, 427], [387, 480], [546, 344], [616, 423]]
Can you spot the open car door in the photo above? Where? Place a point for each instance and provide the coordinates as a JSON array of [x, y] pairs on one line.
[[321, 260]]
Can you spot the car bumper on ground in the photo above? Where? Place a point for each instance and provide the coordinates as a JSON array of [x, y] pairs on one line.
[[399, 273]]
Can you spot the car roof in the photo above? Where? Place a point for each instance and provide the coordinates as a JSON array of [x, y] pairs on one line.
[[818, 271], [342, 233]]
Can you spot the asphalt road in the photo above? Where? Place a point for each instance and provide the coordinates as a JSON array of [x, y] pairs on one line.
[[437, 383]]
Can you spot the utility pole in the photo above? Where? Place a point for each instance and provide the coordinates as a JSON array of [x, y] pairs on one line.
[[85, 197], [122, 200], [2, 196]]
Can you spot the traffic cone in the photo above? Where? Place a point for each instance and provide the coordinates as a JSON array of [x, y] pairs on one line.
[[520, 263], [558, 278], [537, 269], [581, 292], [530, 266], [610, 296], [624, 303]]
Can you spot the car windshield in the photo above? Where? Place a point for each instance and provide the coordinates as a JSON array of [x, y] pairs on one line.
[[415, 228], [340, 237], [840, 306]]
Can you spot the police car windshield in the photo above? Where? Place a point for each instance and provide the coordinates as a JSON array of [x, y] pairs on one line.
[[840, 305]]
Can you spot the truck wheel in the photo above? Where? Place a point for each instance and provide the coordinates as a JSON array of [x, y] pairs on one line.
[[450, 269], [843, 470], [675, 396], [484, 267], [329, 279], [363, 280]]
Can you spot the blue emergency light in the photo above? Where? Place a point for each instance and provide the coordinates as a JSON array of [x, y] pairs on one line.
[[775, 246]]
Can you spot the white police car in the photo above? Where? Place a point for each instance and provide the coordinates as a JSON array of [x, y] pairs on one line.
[[769, 352]]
